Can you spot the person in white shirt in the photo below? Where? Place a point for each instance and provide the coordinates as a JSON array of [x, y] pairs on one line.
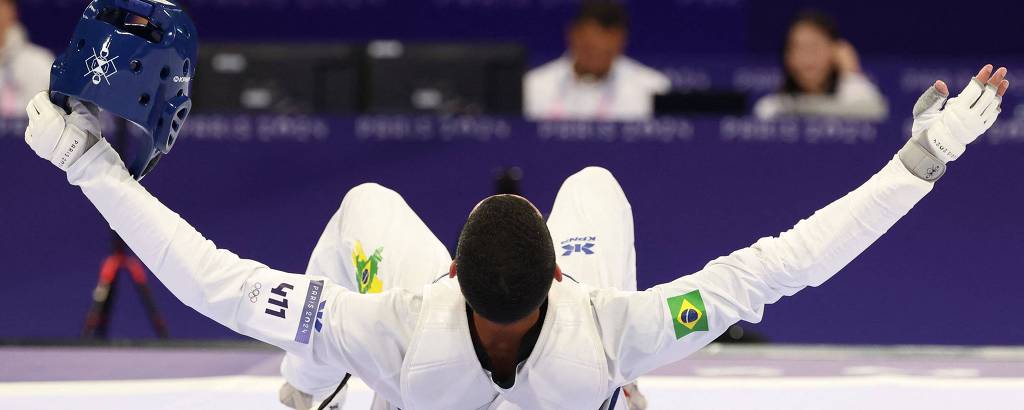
[[24, 67], [594, 80], [823, 77], [515, 324]]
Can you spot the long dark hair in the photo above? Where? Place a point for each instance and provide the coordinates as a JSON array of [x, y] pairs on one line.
[[827, 25]]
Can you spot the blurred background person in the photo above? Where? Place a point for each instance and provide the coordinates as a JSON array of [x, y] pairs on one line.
[[24, 67], [822, 75], [594, 80]]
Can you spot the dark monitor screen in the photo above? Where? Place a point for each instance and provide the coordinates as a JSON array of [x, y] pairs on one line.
[[701, 102], [445, 78], [279, 78]]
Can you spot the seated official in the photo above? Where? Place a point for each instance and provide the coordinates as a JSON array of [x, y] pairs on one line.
[[24, 67], [594, 80], [823, 77]]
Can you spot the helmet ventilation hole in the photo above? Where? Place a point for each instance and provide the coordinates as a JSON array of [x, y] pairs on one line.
[[144, 99], [135, 66], [165, 72]]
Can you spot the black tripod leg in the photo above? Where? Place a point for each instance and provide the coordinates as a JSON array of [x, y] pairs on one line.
[[139, 278]]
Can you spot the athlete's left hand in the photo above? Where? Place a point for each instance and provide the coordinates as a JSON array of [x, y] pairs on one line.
[[948, 131]]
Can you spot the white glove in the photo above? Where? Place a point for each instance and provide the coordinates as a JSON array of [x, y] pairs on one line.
[[59, 137], [293, 398], [946, 132]]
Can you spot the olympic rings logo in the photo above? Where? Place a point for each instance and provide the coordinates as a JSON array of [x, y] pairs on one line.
[[254, 292]]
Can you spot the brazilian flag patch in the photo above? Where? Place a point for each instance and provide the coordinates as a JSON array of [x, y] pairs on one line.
[[688, 314]]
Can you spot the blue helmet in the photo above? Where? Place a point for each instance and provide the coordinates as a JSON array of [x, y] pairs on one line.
[[135, 59]]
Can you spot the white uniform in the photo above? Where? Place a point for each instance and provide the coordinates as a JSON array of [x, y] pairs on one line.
[[856, 97], [553, 91], [374, 242], [591, 222], [24, 72], [413, 347]]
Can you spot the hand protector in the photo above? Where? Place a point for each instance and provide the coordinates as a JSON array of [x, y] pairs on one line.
[[59, 137], [946, 132], [295, 399]]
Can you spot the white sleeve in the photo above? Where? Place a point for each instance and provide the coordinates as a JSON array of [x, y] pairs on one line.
[[304, 315], [645, 330]]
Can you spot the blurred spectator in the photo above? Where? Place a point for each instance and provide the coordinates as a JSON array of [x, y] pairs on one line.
[[24, 67], [593, 80], [822, 76]]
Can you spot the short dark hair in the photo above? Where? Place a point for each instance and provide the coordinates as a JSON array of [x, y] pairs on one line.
[[505, 261], [827, 25], [608, 14]]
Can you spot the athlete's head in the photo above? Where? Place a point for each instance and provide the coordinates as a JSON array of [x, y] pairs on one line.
[[597, 36], [505, 261]]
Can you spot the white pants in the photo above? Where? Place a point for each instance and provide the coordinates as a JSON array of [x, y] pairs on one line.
[[591, 224]]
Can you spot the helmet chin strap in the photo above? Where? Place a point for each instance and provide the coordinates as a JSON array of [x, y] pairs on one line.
[[61, 101]]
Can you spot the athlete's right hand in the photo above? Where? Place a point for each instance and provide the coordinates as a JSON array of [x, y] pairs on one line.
[[946, 132], [57, 136], [295, 399]]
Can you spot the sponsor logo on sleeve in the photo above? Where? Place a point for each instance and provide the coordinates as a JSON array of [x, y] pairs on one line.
[[366, 269], [311, 313], [583, 245], [320, 316], [688, 314]]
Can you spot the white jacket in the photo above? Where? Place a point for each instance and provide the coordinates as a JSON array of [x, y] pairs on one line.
[[856, 98], [413, 347], [553, 92], [24, 72]]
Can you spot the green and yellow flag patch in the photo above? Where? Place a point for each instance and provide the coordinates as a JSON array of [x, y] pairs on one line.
[[688, 314]]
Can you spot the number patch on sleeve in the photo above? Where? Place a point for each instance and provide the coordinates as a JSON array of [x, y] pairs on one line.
[[281, 308], [281, 292]]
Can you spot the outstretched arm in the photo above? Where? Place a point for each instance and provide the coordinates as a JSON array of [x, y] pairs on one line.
[[305, 315], [644, 330]]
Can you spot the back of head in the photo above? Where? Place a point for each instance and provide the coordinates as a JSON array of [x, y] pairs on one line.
[[505, 259]]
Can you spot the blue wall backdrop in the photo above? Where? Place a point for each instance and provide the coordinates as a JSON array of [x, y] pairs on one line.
[[676, 26], [264, 187]]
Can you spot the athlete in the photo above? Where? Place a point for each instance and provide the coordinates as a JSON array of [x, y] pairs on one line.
[[375, 242], [512, 330]]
